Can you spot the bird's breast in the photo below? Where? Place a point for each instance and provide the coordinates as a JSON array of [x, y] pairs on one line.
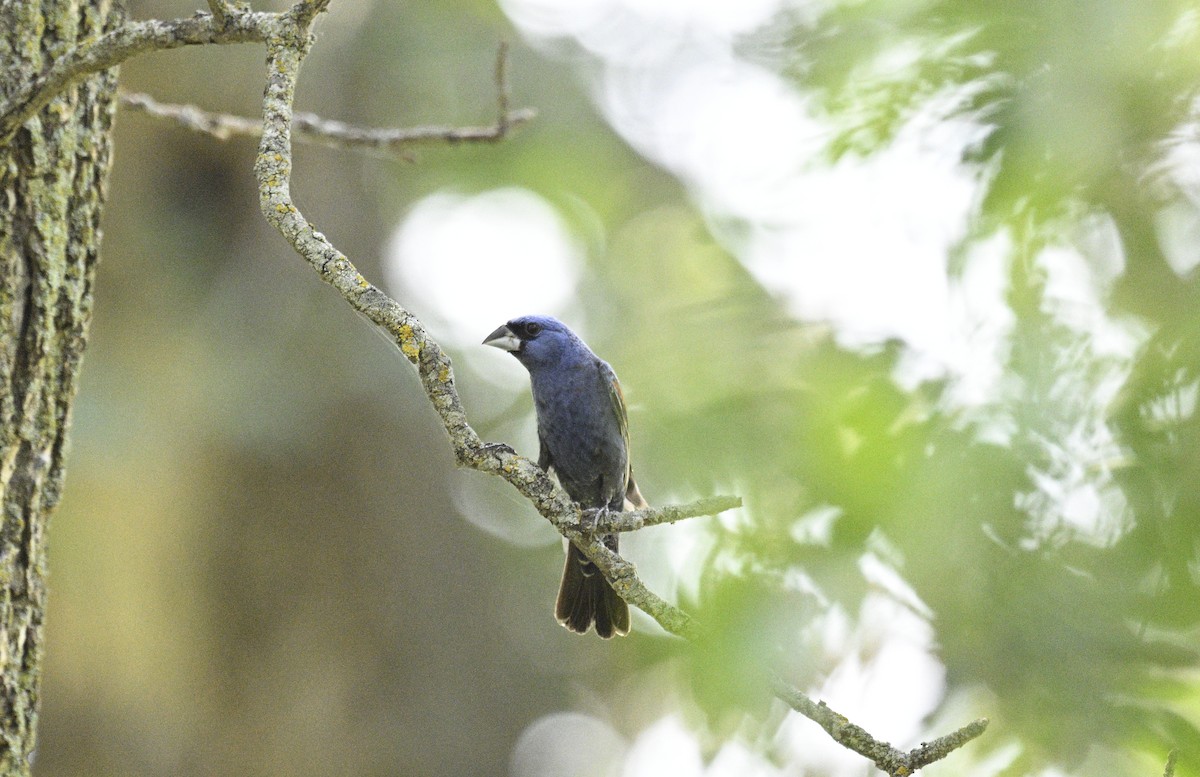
[[584, 441]]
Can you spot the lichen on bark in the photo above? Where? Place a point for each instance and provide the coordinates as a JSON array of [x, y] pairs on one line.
[[52, 185]]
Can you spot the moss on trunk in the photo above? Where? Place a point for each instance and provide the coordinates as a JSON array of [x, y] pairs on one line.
[[52, 181]]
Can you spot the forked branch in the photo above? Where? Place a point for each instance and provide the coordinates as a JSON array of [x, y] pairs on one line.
[[273, 170]]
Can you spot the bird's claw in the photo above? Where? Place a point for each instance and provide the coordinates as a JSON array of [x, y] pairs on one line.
[[589, 520], [498, 447]]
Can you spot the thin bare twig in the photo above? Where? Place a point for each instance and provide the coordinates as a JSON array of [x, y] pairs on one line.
[[502, 89], [221, 126], [310, 128]]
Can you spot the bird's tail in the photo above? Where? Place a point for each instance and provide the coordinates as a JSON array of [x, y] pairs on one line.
[[585, 597]]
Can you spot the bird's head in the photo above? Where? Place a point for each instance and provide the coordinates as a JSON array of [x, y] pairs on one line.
[[536, 341]]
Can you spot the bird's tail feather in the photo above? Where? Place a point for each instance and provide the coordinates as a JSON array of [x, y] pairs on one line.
[[585, 597]]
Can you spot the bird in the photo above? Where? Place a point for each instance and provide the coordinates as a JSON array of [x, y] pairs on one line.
[[583, 437]]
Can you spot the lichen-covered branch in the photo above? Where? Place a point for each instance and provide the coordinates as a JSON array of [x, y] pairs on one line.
[[285, 54], [608, 523], [887, 758], [236, 25], [221, 9], [928, 752]]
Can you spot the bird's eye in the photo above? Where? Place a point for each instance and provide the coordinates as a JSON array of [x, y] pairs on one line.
[[532, 328]]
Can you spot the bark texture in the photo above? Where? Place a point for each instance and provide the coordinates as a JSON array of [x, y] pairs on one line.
[[52, 181]]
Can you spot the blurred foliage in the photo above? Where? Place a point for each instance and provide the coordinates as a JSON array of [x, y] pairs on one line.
[[1080, 104], [262, 565], [1085, 642]]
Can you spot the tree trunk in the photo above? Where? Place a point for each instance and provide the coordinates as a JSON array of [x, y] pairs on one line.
[[52, 181]]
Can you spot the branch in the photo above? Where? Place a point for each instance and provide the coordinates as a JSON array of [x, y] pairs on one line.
[[227, 23], [273, 172], [388, 142], [234, 25], [502, 90], [221, 9], [886, 757], [608, 523], [622, 575], [313, 129]]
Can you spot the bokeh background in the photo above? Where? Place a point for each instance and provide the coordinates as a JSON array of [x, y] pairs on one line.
[[914, 278]]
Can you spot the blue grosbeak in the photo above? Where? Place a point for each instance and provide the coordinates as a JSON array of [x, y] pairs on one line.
[[584, 436]]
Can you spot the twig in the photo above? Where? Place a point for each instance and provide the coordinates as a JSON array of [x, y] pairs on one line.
[[221, 9], [1172, 756], [310, 128], [607, 523], [127, 40], [221, 126], [503, 119], [928, 752], [886, 757], [305, 11], [230, 24]]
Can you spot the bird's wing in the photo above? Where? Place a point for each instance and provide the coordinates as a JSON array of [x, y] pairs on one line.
[[633, 496], [617, 397], [544, 460]]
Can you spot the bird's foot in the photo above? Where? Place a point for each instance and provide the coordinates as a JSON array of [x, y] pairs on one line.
[[498, 447], [589, 520]]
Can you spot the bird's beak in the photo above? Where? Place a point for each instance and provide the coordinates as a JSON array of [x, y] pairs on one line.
[[504, 339]]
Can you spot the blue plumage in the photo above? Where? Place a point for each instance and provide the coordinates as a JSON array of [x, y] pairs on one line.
[[584, 439]]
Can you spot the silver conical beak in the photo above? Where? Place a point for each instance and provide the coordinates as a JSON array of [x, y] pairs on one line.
[[504, 339]]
